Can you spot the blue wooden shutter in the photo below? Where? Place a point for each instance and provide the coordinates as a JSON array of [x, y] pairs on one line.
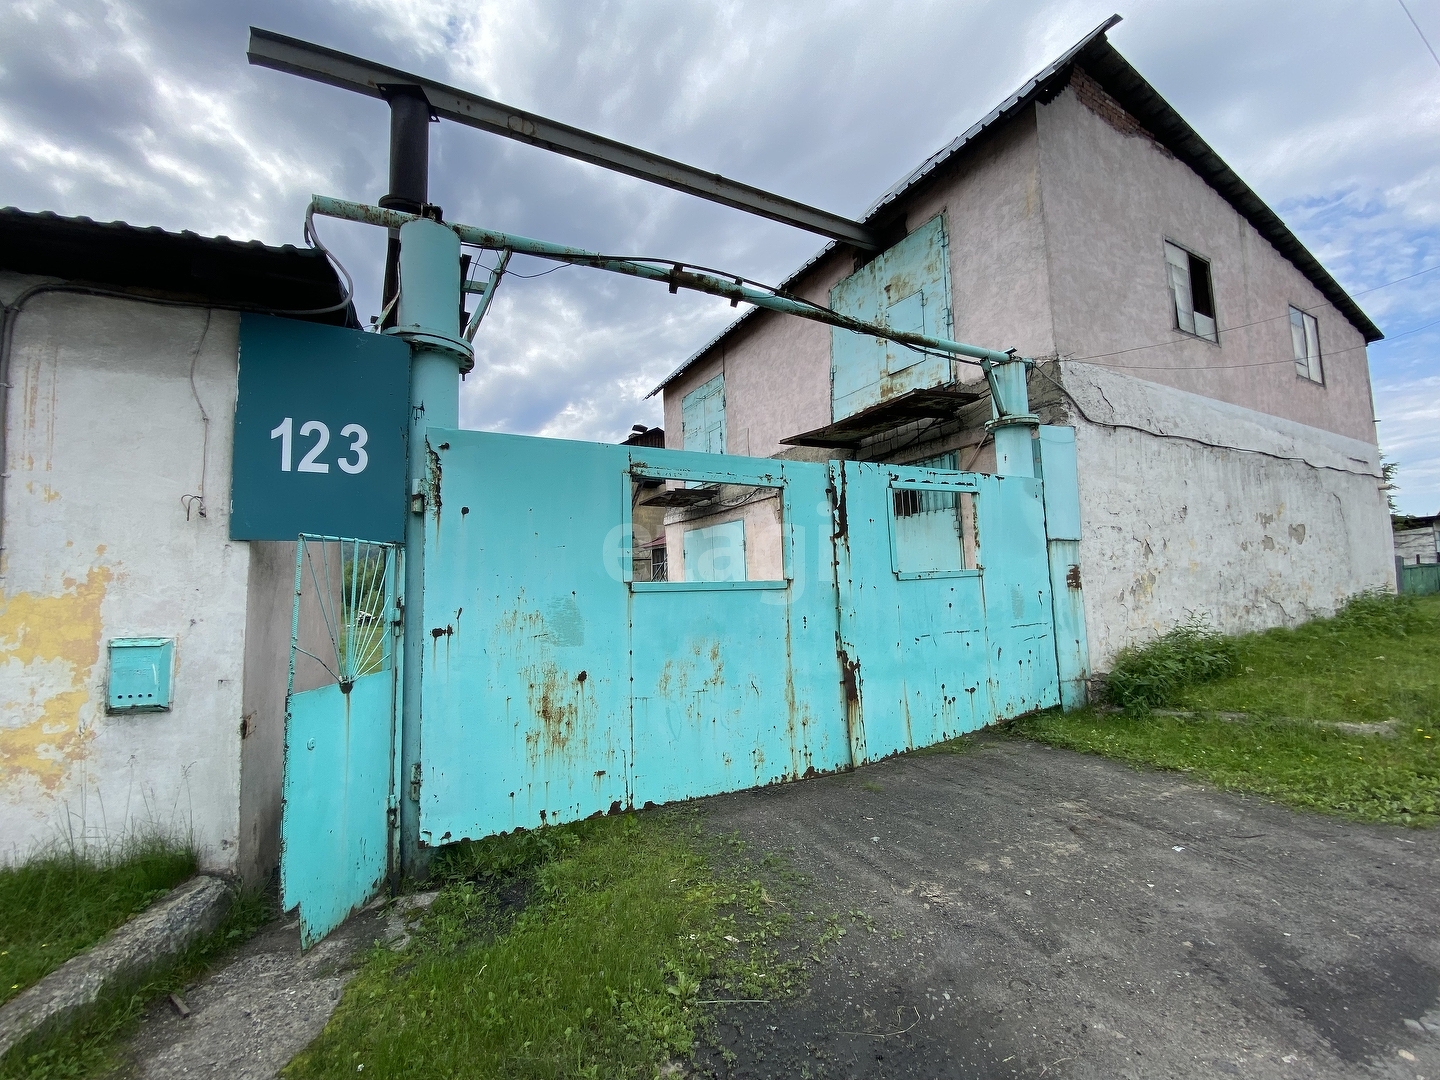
[[702, 417]]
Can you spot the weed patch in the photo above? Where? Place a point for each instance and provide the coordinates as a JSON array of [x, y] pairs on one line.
[[1147, 676], [58, 905], [586, 950]]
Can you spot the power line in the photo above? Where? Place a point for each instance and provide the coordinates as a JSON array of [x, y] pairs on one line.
[[1419, 31], [1258, 322], [1234, 367]]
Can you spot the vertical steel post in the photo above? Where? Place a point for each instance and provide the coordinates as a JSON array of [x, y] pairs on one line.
[[429, 320], [409, 176], [1013, 425]]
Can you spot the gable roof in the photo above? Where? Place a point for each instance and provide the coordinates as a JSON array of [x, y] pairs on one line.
[[1103, 63], [185, 266]]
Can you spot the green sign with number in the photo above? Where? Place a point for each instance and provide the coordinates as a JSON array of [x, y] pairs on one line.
[[320, 429]]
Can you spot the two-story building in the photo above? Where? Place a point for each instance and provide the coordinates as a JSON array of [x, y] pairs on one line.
[[1215, 373]]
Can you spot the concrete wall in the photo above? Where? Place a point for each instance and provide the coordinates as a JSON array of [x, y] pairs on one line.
[[1418, 545], [1199, 506], [1112, 197], [104, 437], [270, 598]]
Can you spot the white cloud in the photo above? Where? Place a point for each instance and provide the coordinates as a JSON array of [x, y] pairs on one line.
[[147, 112]]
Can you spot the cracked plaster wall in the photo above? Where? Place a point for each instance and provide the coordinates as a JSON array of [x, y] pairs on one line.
[[104, 437], [1172, 527]]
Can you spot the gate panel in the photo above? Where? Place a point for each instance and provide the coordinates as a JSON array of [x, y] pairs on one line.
[[1019, 616], [525, 698], [339, 732], [736, 682], [912, 610], [612, 626]]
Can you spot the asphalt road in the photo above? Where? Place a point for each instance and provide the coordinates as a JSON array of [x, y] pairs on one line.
[[1042, 913]]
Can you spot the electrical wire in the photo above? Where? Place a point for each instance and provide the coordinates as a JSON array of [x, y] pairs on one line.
[[313, 239], [1229, 367], [188, 500], [1186, 438], [1258, 322], [1420, 32]]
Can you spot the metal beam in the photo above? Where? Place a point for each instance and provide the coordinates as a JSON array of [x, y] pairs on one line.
[[268, 49]]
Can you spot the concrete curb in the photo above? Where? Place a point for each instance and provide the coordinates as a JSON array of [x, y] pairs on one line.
[[166, 928]]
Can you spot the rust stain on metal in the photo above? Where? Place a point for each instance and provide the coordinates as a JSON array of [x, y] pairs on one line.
[[1072, 576], [433, 477]]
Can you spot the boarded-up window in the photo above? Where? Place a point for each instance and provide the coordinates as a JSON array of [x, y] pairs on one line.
[[905, 288], [1305, 337], [1192, 294], [702, 415]]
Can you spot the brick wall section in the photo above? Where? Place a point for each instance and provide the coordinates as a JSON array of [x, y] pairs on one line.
[[1103, 105]]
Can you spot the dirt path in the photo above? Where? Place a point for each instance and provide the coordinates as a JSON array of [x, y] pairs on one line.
[[1043, 913], [262, 1007]]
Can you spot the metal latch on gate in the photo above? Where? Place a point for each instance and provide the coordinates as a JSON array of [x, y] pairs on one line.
[[417, 496], [415, 782]]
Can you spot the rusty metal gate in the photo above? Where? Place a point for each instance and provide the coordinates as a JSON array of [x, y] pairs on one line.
[[612, 626], [337, 836]]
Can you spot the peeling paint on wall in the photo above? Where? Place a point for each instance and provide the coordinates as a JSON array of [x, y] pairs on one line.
[[54, 641]]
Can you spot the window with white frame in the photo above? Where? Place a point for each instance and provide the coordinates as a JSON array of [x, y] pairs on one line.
[[1305, 336], [1192, 295]]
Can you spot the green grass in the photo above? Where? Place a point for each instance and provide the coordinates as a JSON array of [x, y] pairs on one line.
[[94, 1046], [1377, 661], [587, 950], [58, 905]]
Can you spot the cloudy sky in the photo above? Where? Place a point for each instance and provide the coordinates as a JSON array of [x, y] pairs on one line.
[[147, 112]]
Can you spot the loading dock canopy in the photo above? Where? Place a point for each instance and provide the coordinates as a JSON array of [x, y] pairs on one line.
[[942, 404]]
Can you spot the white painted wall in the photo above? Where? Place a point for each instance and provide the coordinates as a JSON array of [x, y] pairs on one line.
[[105, 436], [1199, 506]]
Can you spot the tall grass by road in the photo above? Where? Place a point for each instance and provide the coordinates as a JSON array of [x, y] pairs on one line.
[[59, 904], [1377, 662]]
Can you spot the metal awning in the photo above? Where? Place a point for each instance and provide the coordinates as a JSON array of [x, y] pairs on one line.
[[887, 416], [683, 497]]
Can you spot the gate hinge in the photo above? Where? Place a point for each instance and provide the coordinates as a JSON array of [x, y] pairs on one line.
[[415, 782]]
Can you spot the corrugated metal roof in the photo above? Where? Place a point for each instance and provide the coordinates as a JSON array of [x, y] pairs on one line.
[[1122, 82], [148, 260]]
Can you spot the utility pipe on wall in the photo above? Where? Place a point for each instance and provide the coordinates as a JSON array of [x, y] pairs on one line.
[[675, 276]]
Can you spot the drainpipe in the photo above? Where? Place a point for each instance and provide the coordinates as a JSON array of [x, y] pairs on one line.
[[1014, 425]]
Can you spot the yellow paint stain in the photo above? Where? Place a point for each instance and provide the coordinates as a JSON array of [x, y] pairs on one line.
[[65, 629], [46, 492]]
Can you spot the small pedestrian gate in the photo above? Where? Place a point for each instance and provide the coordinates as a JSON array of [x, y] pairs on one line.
[[613, 626], [337, 839]]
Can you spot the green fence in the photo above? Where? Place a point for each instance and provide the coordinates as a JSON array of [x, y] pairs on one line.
[[1419, 580]]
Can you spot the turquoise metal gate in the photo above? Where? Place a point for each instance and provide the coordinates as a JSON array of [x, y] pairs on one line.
[[611, 626], [337, 840], [945, 611]]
